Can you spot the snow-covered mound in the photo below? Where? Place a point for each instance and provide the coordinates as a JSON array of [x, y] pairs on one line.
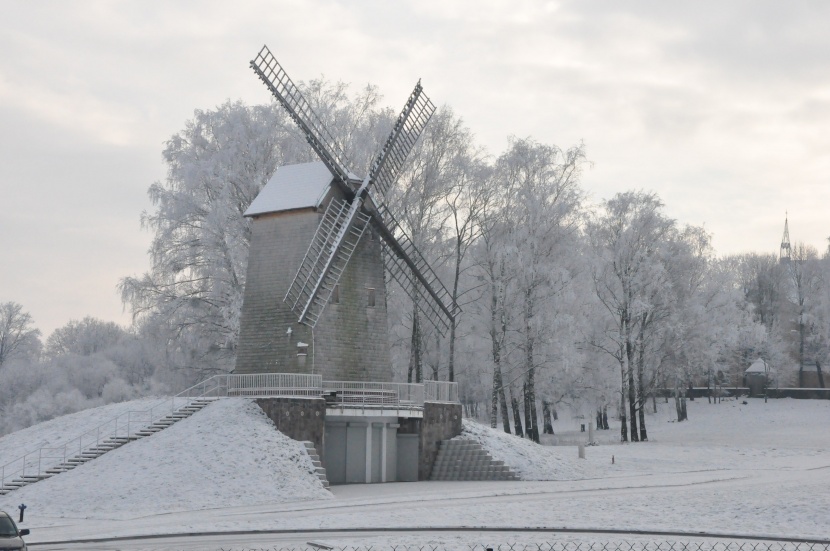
[[530, 460], [60, 430], [225, 455]]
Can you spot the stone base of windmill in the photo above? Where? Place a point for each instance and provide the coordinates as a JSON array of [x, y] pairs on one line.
[[359, 446]]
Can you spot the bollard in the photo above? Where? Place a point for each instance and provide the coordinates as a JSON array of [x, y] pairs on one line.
[[612, 459], [582, 451], [22, 508]]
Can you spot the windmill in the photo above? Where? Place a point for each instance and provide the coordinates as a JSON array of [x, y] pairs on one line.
[[360, 204]]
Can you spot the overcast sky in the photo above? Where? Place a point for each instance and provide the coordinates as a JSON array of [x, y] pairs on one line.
[[722, 108]]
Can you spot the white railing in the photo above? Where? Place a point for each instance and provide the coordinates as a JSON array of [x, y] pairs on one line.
[[275, 384], [358, 394], [441, 391]]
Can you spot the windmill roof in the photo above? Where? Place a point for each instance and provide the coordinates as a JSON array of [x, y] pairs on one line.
[[292, 187]]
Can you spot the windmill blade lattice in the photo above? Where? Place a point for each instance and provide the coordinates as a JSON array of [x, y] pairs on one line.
[[345, 221], [410, 269], [265, 65], [411, 122], [334, 243]]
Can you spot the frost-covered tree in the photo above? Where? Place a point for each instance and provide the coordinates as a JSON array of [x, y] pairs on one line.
[[18, 336], [629, 239], [805, 280], [543, 197], [83, 338]]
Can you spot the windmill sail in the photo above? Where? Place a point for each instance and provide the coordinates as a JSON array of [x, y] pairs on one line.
[[408, 267], [265, 65], [344, 222], [411, 122]]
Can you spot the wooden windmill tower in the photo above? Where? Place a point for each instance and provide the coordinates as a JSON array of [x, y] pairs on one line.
[[315, 293]]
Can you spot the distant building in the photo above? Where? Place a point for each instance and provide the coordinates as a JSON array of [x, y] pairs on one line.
[[757, 377]]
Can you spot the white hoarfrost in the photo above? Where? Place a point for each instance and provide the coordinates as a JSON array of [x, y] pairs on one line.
[[228, 454]]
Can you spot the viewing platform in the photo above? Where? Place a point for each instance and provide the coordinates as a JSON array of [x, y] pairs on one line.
[[341, 397]]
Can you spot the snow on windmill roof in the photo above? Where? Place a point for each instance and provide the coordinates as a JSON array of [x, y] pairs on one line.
[[292, 187], [758, 366]]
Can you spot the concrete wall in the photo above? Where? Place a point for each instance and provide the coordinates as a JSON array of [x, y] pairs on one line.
[[407, 459], [298, 418], [703, 392], [809, 379], [349, 342], [801, 393], [361, 449], [440, 422]]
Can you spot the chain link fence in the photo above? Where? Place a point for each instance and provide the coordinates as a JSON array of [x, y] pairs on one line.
[[619, 545]]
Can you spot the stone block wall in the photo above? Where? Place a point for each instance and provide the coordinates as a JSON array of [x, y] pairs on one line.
[[441, 422], [302, 419], [278, 244]]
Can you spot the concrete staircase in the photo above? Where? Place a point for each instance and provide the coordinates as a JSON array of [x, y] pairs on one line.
[[467, 460], [107, 445], [318, 466]]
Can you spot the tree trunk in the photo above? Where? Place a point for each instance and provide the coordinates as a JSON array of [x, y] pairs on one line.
[[641, 389], [453, 322], [497, 329], [517, 415], [415, 361], [623, 421], [531, 421], [534, 413], [605, 418], [683, 408], [632, 394], [677, 405], [548, 419], [451, 360], [437, 364], [820, 374], [499, 401], [505, 415]]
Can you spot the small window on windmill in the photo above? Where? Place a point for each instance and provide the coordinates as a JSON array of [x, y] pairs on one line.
[[370, 299], [302, 349], [335, 294]]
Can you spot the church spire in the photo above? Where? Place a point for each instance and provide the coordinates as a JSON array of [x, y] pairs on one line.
[[784, 254]]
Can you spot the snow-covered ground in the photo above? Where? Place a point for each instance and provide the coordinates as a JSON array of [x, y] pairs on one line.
[[754, 469], [226, 455]]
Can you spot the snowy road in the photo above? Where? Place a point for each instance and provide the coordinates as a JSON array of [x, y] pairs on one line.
[[669, 502]]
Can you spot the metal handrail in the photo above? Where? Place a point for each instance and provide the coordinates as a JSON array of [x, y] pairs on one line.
[[441, 391], [362, 394], [124, 425]]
